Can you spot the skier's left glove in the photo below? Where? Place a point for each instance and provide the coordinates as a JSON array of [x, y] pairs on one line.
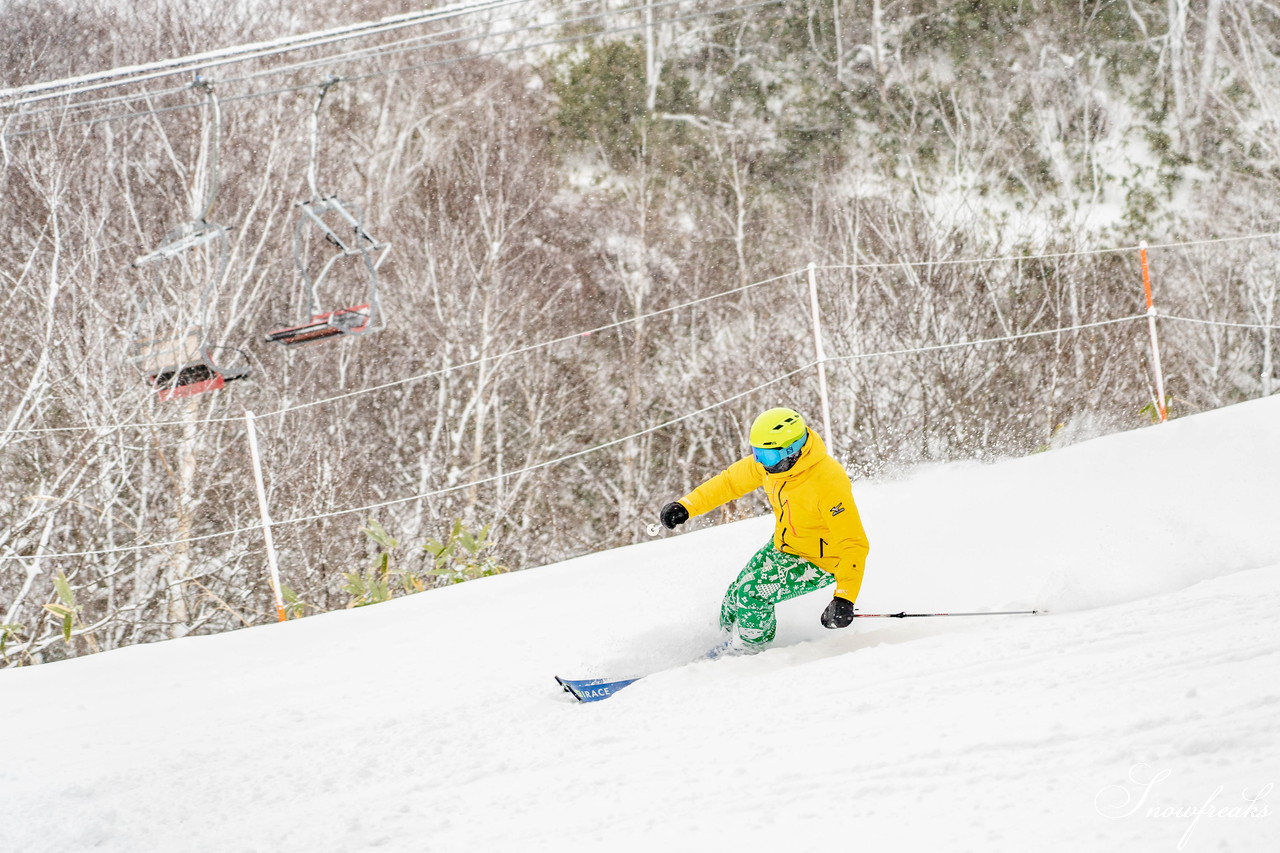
[[839, 613], [674, 514]]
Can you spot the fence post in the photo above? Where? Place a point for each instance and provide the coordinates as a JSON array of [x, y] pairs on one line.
[[266, 516], [1155, 340], [820, 354]]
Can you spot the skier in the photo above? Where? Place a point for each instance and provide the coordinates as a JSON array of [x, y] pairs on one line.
[[817, 540]]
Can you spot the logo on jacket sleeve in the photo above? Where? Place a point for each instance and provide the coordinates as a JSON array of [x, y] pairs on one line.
[[838, 508]]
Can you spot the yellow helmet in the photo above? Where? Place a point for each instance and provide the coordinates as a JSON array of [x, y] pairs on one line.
[[777, 437], [777, 428]]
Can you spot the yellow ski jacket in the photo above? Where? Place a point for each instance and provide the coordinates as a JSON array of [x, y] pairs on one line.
[[813, 506]]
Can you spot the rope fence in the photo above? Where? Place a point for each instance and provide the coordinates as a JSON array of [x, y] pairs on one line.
[[596, 448], [1257, 327]]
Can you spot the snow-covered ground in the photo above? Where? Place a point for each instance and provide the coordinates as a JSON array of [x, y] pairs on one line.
[[1141, 714]]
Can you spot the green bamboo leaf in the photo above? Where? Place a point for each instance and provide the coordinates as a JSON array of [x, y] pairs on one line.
[[379, 534], [60, 610], [65, 594], [294, 606], [355, 586], [7, 631]]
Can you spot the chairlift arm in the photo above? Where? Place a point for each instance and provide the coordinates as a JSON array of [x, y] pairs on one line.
[[315, 135], [212, 155], [184, 237]]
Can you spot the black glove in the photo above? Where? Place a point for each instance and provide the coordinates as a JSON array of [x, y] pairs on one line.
[[839, 613], [674, 513]]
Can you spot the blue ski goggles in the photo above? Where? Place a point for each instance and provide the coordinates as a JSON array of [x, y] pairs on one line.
[[769, 457]]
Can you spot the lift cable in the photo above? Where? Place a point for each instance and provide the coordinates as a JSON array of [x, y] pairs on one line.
[[36, 92]]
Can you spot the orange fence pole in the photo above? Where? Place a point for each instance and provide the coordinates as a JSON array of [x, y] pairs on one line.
[[1155, 340]]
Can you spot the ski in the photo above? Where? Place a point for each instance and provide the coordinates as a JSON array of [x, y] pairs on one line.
[[596, 689], [593, 689]]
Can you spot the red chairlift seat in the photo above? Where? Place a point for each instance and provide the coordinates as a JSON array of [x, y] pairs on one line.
[[344, 321], [183, 366]]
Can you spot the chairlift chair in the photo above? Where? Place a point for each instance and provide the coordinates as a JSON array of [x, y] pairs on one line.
[[182, 365], [351, 240], [341, 225]]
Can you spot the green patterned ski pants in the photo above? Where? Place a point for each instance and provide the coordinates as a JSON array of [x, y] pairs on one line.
[[770, 577]]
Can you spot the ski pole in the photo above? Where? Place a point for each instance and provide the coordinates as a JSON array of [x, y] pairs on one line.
[[905, 615]]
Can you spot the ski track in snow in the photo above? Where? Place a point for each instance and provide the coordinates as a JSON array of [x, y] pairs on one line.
[[432, 723]]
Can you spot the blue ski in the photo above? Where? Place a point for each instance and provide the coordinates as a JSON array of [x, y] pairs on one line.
[[593, 689]]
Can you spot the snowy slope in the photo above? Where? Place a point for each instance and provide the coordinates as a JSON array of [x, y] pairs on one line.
[[1142, 713]]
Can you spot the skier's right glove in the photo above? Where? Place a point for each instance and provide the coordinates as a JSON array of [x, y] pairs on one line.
[[839, 613], [673, 514]]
